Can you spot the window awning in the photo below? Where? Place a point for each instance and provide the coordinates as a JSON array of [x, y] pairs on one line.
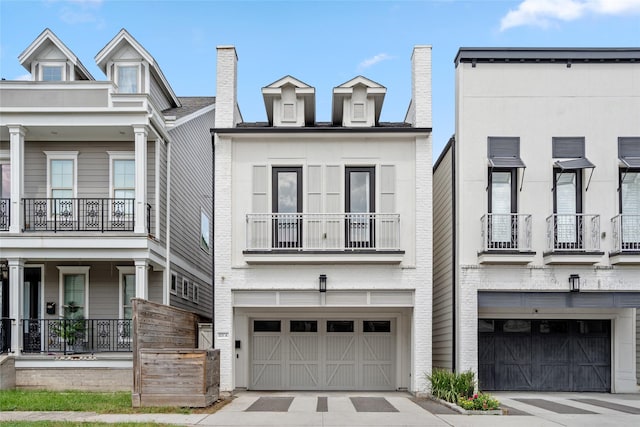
[[506, 162], [631, 162], [580, 163]]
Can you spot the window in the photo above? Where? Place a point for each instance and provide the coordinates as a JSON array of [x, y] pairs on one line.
[[74, 292], [360, 206], [127, 291], [174, 284], [5, 178], [266, 326], [287, 206], [185, 289], [303, 326], [567, 207], [502, 225], [52, 73], [629, 155], [196, 293], [340, 325], [122, 169], [127, 78], [62, 184], [205, 232], [376, 326]]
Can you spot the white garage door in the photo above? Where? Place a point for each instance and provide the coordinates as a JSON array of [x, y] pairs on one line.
[[323, 354]]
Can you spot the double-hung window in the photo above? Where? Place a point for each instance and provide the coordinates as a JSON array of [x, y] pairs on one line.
[[629, 154], [123, 191], [52, 73], [5, 191], [360, 206], [62, 184]]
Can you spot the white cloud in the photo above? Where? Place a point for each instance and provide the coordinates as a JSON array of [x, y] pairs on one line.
[[79, 11], [543, 13], [373, 60]]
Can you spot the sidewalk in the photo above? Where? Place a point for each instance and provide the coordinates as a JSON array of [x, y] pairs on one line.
[[381, 409]]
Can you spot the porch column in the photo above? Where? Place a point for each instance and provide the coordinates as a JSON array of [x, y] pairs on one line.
[[141, 179], [142, 278], [16, 291], [16, 138]]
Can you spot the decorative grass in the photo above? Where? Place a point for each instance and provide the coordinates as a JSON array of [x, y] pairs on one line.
[[102, 403], [448, 386]]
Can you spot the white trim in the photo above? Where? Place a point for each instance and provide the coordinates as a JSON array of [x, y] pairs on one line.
[[194, 115], [123, 270], [73, 270], [62, 155], [196, 292], [119, 155], [156, 173], [185, 285]]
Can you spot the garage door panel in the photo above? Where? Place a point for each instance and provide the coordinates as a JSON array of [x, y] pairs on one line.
[[515, 376], [304, 376], [377, 376], [552, 349], [553, 377], [592, 378], [341, 376], [378, 348], [303, 348]]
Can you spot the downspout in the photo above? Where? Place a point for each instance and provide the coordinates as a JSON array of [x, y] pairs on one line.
[[453, 253], [167, 292], [213, 242]]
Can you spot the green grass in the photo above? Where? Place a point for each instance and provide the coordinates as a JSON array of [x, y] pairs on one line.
[[102, 403]]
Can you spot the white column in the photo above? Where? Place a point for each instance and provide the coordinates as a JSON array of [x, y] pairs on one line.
[[141, 179], [16, 291], [16, 136], [142, 278]]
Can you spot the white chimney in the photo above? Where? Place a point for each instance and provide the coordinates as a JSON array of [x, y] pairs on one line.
[[421, 86], [226, 87]]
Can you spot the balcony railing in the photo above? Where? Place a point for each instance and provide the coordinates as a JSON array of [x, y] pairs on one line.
[[573, 233], [5, 214], [77, 335], [506, 232], [81, 214], [626, 233], [5, 335], [323, 232]]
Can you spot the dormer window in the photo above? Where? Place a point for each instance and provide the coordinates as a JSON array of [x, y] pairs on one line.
[[52, 73], [127, 78]]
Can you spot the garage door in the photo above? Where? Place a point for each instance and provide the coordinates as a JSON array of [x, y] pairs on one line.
[[544, 355], [323, 354]]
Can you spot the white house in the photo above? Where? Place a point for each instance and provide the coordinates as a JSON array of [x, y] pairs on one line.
[[105, 196], [323, 237], [537, 220]]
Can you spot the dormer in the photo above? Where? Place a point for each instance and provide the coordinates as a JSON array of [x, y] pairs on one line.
[[48, 59], [357, 102], [290, 102], [133, 70]]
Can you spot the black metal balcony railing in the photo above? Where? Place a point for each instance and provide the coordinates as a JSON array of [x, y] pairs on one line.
[[86, 214], [5, 214], [77, 335], [5, 335]]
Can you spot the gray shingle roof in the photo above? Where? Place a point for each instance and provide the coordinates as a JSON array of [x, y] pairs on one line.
[[190, 104]]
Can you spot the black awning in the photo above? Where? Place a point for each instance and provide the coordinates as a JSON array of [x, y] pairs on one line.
[[581, 163], [506, 162], [631, 162]]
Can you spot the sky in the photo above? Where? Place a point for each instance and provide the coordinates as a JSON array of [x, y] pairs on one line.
[[324, 44]]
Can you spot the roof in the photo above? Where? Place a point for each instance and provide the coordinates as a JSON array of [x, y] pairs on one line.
[[546, 54], [41, 42], [382, 127], [189, 105], [374, 90]]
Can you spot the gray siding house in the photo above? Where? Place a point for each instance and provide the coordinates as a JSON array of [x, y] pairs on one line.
[[106, 195]]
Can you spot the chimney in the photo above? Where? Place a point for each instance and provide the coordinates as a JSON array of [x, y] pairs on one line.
[[226, 87], [421, 86]]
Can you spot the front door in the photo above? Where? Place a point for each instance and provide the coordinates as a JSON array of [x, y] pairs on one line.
[[360, 206], [31, 308], [287, 207], [630, 209]]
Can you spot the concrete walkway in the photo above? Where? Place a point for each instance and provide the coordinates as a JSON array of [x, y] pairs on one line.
[[383, 409]]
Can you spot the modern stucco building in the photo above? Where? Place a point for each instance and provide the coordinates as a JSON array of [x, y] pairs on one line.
[[323, 237], [105, 196], [537, 220]]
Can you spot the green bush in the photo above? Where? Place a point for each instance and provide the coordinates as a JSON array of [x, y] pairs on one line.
[[449, 386], [478, 402]]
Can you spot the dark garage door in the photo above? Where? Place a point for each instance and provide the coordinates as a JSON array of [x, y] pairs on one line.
[[544, 355]]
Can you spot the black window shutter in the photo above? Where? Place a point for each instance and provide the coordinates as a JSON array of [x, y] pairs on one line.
[[628, 147], [503, 147]]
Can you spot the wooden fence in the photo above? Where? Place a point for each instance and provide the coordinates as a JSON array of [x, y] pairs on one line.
[[168, 369]]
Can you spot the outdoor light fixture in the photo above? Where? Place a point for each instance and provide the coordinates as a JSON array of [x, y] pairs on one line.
[[574, 283], [322, 283], [4, 271]]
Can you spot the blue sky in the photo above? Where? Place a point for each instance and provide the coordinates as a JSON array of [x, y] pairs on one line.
[[321, 43]]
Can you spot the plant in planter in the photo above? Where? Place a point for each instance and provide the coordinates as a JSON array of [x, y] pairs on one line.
[[458, 389], [478, 402], [71, 328]]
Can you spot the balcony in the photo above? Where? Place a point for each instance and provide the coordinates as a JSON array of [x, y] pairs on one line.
[[506, 238], [77, 335], [81, 214], [626, 239], [573, 239], [339, 237], [5, 214]]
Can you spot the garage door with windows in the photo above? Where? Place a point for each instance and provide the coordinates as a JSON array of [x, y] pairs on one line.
[[323, 354], [544, 355]]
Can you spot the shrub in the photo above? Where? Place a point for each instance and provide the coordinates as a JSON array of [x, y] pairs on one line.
[[449, 386], [478, 402]]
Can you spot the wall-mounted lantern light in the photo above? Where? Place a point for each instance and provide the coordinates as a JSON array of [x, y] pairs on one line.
[[574, 283], [322, 283], [4, 271]]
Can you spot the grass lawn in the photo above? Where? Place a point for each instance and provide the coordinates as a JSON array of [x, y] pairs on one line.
[[74, 424], [102, 403]]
